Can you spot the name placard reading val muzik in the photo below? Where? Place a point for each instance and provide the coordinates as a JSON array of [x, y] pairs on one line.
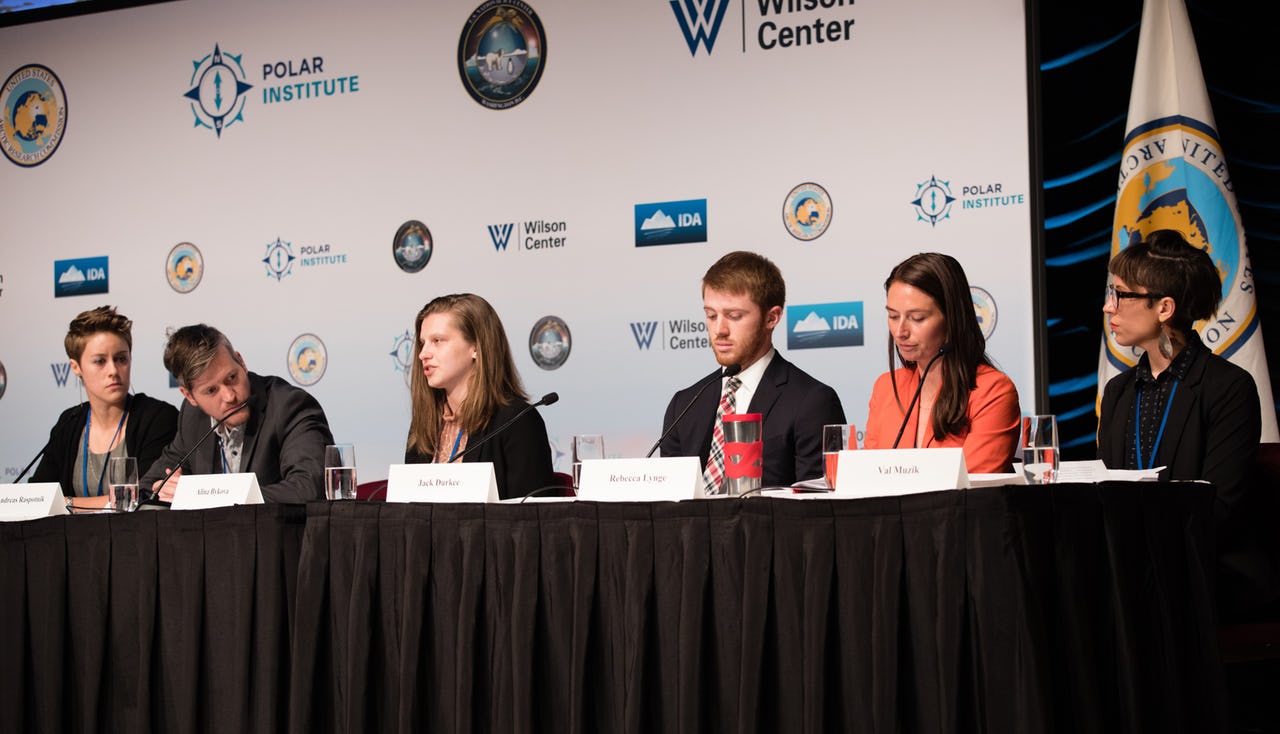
[[887, 472]]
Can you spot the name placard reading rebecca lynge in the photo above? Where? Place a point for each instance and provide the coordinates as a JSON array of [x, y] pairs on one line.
[[30, 501], [671, 478], [461, 482], [202, 491], [887, 472]]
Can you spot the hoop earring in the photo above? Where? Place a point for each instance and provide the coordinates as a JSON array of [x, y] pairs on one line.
[[1166, 346]]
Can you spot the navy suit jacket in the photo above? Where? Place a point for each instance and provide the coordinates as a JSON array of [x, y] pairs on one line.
[[284, 442], [794, 407]]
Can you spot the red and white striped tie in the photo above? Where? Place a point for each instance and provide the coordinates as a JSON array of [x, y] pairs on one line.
[[714, 474]]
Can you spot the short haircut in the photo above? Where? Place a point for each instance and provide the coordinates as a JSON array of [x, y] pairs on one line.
[[100, 320], [1166, 264], [190, 349], [747, 273]]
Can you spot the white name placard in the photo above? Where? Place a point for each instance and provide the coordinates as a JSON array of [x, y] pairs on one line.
[[202, 491], [30, 501], [887, 472], [671, 478], [460, 482]]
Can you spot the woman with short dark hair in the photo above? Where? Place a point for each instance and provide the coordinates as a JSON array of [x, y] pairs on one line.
[[1181, 406], [110, 422]]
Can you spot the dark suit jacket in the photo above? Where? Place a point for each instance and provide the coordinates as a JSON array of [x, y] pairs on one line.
[[521, 454], [1213, 431], [151, 426], [794, 406], [284, 442]]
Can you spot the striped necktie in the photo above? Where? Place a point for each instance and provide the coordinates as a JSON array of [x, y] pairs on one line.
[[714, 474]]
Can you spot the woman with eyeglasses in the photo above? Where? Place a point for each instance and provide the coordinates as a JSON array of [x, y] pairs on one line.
[[1182, 406], [110, 422]]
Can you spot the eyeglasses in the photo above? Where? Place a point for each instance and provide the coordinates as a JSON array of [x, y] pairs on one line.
[[1114, 296]]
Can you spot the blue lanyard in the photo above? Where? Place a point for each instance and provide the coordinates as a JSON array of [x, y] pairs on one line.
[[84, 464], [1137, 423], [222, 454], [456, 442]]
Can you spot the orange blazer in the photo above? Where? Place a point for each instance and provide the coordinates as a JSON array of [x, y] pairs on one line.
[[990, 439]]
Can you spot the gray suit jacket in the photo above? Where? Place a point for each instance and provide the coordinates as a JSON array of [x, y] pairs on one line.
[[284, 442]]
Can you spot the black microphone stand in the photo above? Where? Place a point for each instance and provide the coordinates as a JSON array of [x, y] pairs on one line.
[[729, 371], [919, 388]]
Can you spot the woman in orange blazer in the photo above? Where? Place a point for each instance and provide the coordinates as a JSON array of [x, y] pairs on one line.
[[964, 401]]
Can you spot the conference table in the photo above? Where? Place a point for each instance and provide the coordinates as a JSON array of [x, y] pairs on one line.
[[1069, 607]]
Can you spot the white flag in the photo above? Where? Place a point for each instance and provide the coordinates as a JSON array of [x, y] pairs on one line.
[[1173, 176]]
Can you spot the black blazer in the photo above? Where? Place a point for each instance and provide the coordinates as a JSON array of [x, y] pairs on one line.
[[521, 454], [284, 442], [151, 426], [794, 407], [1214, 426]]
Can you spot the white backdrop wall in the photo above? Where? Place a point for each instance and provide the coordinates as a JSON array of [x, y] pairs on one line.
[[623, 115]]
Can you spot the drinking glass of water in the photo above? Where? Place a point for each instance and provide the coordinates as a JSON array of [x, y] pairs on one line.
[[340, 471], [122, 483], [1040, 449], [586, 447], [836, 437]]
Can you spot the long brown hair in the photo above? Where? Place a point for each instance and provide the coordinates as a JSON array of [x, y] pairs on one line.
[[942, 279], [493, 383]]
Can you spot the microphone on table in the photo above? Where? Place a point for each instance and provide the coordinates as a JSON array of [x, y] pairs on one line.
[[169, 472], [33, 463], [548, 399], [729, 371], [941, 351]]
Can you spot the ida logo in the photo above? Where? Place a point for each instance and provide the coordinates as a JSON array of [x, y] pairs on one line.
[[671, 222], [80, 277], [821, 325]]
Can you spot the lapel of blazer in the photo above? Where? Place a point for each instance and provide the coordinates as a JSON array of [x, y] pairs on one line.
[[770, 388], [1124, 407], [1185, 404], [702, 418], [257, 409]]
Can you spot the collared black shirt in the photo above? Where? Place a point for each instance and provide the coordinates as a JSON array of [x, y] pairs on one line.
[[1154, 393]]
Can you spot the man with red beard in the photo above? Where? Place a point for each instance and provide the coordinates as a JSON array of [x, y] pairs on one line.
[[742, 296]]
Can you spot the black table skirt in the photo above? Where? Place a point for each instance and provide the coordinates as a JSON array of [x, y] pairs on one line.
[[1069, 608]]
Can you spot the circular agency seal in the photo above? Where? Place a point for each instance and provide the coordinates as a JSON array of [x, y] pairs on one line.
[[549, 342], [501, 53], [184, 267], [984, 306], [1163, 187], [307, 359], [412, 246], [35, 115], [807, 211]]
